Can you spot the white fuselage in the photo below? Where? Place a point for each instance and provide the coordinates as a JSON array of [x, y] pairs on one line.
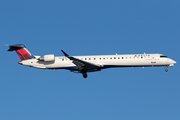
[[103, 61]]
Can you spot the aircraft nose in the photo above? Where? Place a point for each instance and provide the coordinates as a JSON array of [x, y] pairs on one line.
[[174, 62]]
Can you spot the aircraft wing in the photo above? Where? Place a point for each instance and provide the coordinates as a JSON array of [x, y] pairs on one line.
[[82, 65]]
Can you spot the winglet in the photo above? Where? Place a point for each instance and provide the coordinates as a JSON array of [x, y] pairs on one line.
[[65, 53]]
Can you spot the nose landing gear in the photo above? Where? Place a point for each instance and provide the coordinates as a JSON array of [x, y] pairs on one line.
[[166, 68]]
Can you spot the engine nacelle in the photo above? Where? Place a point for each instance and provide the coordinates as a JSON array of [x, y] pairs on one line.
[[47, 58]]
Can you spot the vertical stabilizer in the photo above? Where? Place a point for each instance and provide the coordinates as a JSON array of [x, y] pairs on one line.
[[22, 52]]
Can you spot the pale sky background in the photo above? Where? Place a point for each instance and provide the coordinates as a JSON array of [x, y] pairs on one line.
[[96, 27]]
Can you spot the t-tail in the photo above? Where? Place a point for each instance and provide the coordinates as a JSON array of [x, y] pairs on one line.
[[22, 52]]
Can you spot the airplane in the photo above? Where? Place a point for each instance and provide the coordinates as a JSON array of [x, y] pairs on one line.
[[84, 64]]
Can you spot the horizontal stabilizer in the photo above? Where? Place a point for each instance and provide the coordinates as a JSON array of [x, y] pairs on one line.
[[15, 47]]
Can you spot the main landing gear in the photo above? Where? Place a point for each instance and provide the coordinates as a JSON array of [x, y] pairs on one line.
[[84, 74]]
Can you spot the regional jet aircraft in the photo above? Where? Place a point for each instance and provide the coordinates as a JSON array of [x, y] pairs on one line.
[[84, 64]]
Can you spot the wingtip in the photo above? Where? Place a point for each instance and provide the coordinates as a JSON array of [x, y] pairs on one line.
[[65, 53]]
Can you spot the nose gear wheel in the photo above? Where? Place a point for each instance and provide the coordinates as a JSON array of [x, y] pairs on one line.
[[166, 68]]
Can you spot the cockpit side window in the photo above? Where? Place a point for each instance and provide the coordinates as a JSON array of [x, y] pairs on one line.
[[162, 56]]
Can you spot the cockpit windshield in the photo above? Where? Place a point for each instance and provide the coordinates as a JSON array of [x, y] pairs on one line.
[[163, 56]]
